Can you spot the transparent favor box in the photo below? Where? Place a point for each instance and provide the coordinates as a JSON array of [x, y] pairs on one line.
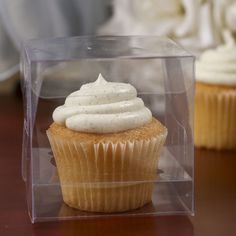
[[163, 74]]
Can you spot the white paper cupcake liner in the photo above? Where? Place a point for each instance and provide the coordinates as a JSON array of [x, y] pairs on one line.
[[215, 120], [106, 177]]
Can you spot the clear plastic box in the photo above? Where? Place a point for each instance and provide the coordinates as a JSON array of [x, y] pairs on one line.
[[163, 74]]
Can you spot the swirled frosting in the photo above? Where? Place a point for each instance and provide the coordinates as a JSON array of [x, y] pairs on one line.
[[217, 66], [103, 107]]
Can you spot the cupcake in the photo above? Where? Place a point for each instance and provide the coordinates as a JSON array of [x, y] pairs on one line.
[[215, 100], [106, 146]]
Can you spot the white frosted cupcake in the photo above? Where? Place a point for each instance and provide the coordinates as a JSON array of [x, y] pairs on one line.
[[215, 101], [106, 146]]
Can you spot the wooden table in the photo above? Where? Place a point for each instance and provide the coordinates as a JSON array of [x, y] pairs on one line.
[[215, 187]]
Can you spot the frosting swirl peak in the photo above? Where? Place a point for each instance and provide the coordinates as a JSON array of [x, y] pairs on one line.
[[103, 107]]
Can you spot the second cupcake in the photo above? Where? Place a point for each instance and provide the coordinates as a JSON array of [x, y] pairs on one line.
[[215, 102]]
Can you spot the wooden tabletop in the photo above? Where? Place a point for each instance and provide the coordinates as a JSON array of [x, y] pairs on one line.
[[215, 194]]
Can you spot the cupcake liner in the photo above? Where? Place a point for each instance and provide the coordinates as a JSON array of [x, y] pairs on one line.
[[215, 116], [106, 177]]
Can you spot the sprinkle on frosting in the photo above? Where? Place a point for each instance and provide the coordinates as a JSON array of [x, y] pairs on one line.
[[103, 107], [217, 66]]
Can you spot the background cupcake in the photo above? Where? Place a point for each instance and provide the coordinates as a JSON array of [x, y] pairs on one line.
[[215, 102], [106, 146]]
